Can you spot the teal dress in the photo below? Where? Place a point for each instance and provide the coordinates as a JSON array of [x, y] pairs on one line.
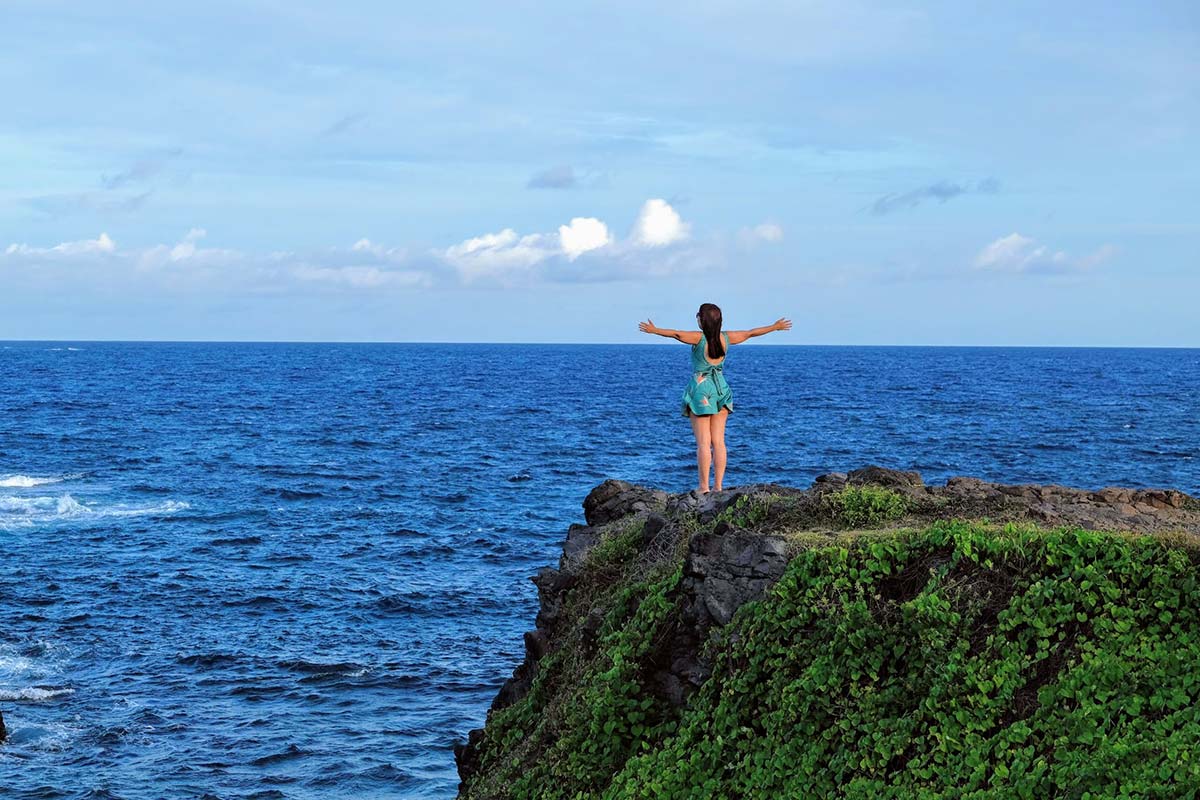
[[707, 392]]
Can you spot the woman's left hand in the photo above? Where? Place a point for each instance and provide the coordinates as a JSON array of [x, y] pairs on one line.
[[647, 327]]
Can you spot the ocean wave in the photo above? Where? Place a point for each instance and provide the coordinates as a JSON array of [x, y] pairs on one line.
[[334, 679], [29, 738], [237, 540], [207, 660], [25, 512], [34, 694], [368, 779], [14, 665], [32, 673], [14, 481], [291, 752], [342, 669], [294, 494]]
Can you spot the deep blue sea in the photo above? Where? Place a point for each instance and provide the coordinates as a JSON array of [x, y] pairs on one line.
[[301, 571]]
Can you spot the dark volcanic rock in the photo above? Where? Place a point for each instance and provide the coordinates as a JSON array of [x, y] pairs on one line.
[[465, 755], [727, 568], [3, 730], [833, 480], [1140, 510], [615, 499], [708, 506], [552, 584], [723, 570], [580, 539], [882, 476]]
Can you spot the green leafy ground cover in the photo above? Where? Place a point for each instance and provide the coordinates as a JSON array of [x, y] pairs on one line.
[[958, 661], [857, 506]]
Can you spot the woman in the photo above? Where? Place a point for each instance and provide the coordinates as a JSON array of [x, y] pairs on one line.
[[708, 398]]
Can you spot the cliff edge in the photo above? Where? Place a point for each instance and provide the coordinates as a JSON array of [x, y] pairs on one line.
[[870, 636]]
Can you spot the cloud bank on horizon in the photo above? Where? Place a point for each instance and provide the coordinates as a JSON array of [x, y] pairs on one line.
[[655, 246], [883, 173]]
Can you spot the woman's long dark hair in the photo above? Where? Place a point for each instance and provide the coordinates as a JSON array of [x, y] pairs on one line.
[[710, 323]]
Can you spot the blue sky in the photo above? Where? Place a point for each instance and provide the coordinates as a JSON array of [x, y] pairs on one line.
[[882, 173]]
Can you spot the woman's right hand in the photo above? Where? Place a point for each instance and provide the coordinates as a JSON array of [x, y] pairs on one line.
[[782, 324]]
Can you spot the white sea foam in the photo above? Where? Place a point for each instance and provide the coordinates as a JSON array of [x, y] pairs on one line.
[[27, 737], [31, 511], [68, 506], [13, 665], [34, 671], [33, 694], [17, 505], [166, 507], [27, 482]]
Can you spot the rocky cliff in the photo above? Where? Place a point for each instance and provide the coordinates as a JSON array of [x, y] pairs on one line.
[[869, 636]]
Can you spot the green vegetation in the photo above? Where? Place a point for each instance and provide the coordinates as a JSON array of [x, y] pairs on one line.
[[954, 663], [617, 544], [958, 661], [556, 744], [749, 511], [865, 506], [589, 708]]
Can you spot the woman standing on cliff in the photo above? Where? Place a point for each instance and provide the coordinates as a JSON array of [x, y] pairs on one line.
[[708, 400]]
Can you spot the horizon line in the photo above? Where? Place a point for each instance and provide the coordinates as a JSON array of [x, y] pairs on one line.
[[586, 344]]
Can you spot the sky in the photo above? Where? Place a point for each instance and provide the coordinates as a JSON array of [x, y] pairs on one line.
[[880, 173]]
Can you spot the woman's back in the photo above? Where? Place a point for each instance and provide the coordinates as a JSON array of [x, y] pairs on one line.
[[700, 354]]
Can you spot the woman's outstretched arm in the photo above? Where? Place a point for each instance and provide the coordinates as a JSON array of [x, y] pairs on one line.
[[737, 337], [687, 337]]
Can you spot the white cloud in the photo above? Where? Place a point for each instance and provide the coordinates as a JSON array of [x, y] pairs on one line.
[[365, 246], [508, 257], [1022, 254], [768, 232], [582, 235], [185, 251], [1014, 253], [362, 277], [499, 252], [658, 224], [582, 250], [507, 253], [187, 264], [101, 244], [187, 246], [1102, 254]]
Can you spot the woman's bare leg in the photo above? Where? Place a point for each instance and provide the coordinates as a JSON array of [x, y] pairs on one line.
[[717, 436], [700, 429]]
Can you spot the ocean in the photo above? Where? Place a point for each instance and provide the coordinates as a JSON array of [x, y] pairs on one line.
[[301, 570]]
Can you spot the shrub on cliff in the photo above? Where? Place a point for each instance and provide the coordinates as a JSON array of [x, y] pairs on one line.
[[865, 506]]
